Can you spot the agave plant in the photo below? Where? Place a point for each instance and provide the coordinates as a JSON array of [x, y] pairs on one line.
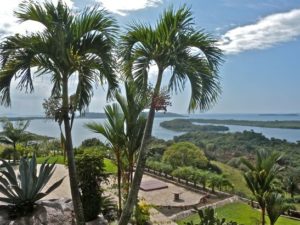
[[23, 190]]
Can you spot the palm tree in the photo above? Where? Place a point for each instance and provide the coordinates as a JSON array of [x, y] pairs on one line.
[[70, 45], [132, 106], [276, 205], [14, 133], [175, 45], [114, 131], [261, 176]]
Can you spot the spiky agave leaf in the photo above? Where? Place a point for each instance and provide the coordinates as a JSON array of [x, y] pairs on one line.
[[27, 187]]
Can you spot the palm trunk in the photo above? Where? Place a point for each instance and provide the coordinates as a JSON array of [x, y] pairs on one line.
[[263, 215], [14, 154], [141, 162], [78, 209], [119, 183]]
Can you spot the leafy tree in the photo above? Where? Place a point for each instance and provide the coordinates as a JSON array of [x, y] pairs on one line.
[[91, 142], [170, 45], [275, 206], [14, 133], [203, 178], [114, 131], [292, 181], [185, 154], [184, 172], [70, 45], [261, 176]]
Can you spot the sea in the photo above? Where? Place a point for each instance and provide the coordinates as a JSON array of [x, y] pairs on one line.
[[80, 132]]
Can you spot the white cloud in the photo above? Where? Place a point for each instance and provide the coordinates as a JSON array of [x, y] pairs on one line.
[[122, 7], [8, 22], [268, 31]]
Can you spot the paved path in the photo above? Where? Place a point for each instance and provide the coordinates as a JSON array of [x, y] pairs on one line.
[[165, 197]]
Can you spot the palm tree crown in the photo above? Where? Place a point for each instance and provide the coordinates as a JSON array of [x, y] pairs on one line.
[[174, 43], [69, 44]]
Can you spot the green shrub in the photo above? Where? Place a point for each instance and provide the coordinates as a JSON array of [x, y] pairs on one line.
[[185, 154], [24, 190], [159, 166], [90, 169], [91, 142], [142, 212], [109, 208], [7, 153]]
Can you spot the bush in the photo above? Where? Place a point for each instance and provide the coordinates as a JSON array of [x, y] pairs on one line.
[[90, 169], [109, 208], [160, 166], [142, 213], [185, 154], [91, 142]]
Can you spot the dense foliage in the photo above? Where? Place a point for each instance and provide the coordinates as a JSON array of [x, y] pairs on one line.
[[287, 124], [225, 147], [90, 169], [188, 126], [185, 154]]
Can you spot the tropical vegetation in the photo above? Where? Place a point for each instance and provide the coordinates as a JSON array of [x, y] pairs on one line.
[[239, 212], [169, 45], [22, 190], [70, 45]]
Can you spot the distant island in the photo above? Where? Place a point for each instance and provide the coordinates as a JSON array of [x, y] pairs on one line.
[[187, 125], [91, 115], [288, 124], [279, 114]]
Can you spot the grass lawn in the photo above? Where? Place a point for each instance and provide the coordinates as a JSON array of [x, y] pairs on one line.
[[110, 167], [235, 176], [240, 213], [59, 159]]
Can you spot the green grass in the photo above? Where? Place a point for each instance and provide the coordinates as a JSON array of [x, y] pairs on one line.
[[240, 213], [109, 166], [235, 176], [59, 159]]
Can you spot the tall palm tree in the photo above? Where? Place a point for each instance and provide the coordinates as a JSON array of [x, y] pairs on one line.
[[174, 44], [114, 131], [261, 176], [14, 133], [71, 44]]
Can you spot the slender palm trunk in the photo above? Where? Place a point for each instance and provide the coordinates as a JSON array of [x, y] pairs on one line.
[[263, 215], [78, 209], [141, 162], [119, 182], [15, 152]]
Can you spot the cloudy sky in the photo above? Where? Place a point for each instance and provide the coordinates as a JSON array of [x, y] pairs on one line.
[[261, 40]]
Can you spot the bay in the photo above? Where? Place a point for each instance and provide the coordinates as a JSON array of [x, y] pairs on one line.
[[80, 133]]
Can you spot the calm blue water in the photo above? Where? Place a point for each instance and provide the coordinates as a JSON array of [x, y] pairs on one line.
[[80, 133]]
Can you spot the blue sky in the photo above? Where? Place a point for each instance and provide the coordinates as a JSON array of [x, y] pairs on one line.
[[260, 39]]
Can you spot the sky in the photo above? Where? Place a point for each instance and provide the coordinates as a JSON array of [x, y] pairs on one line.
[[260, 40]]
